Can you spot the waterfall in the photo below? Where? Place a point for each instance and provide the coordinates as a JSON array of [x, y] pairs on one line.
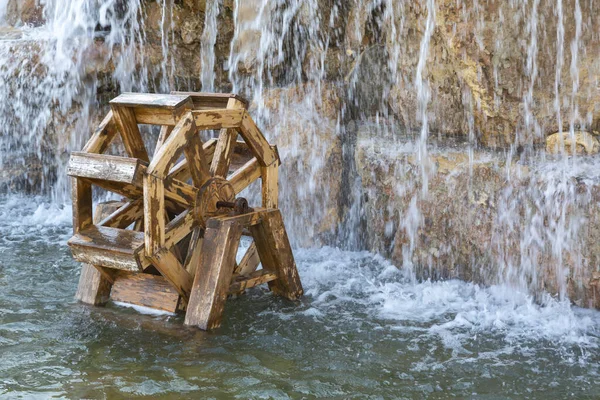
[[382, 111]]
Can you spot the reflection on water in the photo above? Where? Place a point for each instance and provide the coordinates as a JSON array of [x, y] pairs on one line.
[[362, 330]]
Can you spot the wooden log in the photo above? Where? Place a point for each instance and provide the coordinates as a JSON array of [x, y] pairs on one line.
[[145, 290], [81, 196], [218, 118], [197, 164], [243, 177], [130, 133], [103, 136], [253, 279], [212, 281], [249, 262], [106, 167], [257, 143], [154, 214], [169, 266], [276, 254], [270, 185], [108, 247]]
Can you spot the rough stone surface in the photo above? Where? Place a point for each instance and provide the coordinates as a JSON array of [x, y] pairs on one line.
[[580, 143]]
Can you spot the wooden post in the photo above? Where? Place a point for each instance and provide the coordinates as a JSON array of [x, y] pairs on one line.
[[211, 283]]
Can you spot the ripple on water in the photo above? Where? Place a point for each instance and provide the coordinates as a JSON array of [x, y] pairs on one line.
[[363, 329]]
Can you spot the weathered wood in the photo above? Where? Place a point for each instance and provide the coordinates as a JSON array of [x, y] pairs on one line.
[[197, 164], [125, 215], [146, 290], [212, 100], [212, 281], [152, 100], [257, 143], [276, 254], [225, 146], [170, 267], [218, 119], [249, 262], [165, 132], [81, 196], [154, 214], [243, 177], [103, 136], [130, 133], [173, 147], [108, 247], [106, 167], [179, 228], [181, 172], [255, 278], [94, 286], [193, 255], [270, 185]]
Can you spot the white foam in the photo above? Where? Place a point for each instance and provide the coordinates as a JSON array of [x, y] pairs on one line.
[[143, 309]]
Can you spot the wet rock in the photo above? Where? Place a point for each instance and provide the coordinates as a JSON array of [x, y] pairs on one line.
[[580, 143], [30, 12]]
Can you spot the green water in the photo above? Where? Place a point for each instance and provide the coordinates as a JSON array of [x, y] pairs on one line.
[[363, 330]]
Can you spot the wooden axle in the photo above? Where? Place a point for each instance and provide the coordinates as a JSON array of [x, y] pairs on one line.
[[172, 243]]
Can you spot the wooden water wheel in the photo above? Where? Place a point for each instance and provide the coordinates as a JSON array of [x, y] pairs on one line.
[[171, 244]]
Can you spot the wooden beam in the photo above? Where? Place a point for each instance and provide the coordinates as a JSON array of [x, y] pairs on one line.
[[218, 118], [154, 214], [243, 177], [103, 136], [179, 228], [127, 214], [276, 254], [145, 290], [193, 255], [249, 262], [225, 146], [130, 133], [256, 142], [270, 185], [81, 196], [212, 100], [212, 281], [197, 164], [253, 279], [165, 132], [106, 167], [170, 267], [173, 147], [181, 172]]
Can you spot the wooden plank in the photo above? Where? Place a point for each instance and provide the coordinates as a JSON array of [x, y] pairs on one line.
[[145, 290], [181, 172], [249, 262], [170, 267], [197, 165], [106, 167], [276, 254], [270, 185], [243, 177], [212, 100], [218, 118], [103, 136], [108, 247], [253, 279], [172, 148], [179, 228], [125, 215], [153, 100], [193, 255], [81, 196], [256, 141], [225, 146], [165, 132], [130, 133], [154, 214], [212, 281]]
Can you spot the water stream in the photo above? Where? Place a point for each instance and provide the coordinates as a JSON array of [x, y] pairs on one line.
[[329, 84]]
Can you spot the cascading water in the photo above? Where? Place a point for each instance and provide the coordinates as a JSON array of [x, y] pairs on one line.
[[414, 129]]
